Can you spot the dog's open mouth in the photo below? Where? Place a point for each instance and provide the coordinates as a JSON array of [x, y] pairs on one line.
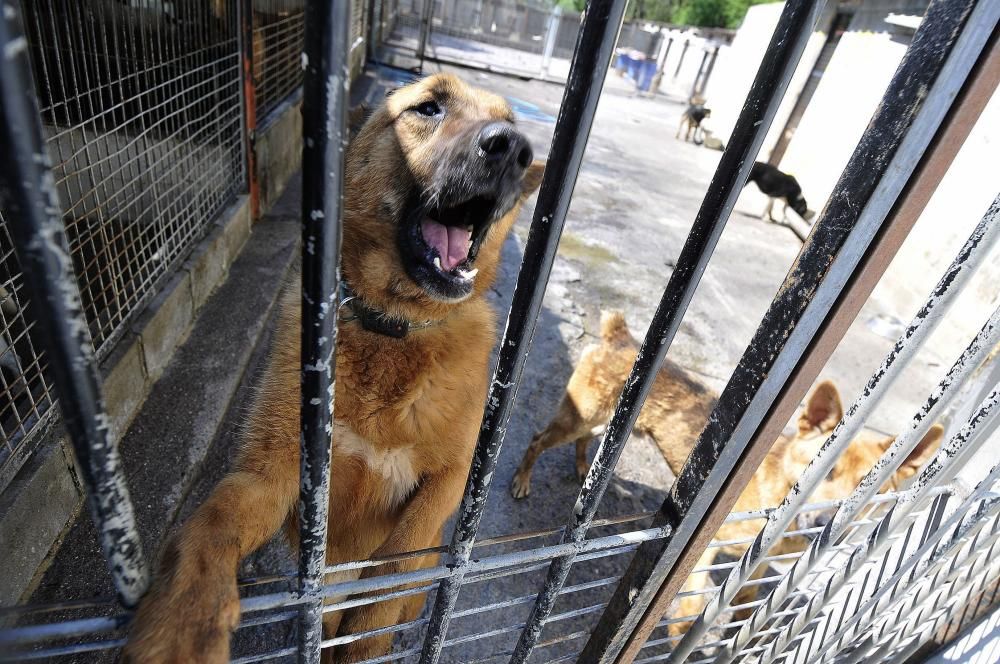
[[443, 243]]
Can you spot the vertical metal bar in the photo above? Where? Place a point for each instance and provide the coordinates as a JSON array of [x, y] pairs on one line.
[[975, 251], [324, 132], [680, 60], [594, 47], [35, 222], [426, 16], [244, 11], [551, 31], [708, 71], [787, 44], [919, 96], [697, 77]]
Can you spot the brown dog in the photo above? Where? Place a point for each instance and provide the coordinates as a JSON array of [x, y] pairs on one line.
[[674, 415], [434, 181]]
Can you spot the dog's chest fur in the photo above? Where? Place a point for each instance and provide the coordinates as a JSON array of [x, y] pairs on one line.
[[395, 466]]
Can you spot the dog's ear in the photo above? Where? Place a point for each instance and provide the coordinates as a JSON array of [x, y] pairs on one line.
[[823, 409], [925, 449], [532, 178]]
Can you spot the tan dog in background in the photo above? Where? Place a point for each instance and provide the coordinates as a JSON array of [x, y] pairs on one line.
[[675, 414], [434, 181]]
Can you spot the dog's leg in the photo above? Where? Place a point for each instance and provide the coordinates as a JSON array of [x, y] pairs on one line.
[[566, 426], [691, 605], [419, 527], [193, 606], [768, 210]]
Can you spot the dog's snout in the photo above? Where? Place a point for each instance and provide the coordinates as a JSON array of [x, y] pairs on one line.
[[499, 141]]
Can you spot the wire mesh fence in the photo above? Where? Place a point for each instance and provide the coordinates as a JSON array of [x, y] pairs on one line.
[[277, 51], [25, 391], [141, 110], [142, 119]]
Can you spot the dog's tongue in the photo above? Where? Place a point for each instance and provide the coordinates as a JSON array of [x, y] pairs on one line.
[[452, 243]]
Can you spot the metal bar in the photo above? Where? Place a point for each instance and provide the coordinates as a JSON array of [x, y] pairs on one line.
[[517, 561], [708, 71], [684, 50], [697, 76], [951, 284], [916, 101], [35, 222], [594, 47], [883, 469], [324, 132], [787, 45], [244, 23]]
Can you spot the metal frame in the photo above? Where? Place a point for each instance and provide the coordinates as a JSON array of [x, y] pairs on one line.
[[36, 225], [872, 532]]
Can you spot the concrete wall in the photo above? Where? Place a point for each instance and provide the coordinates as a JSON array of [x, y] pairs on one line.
[[737, 64]]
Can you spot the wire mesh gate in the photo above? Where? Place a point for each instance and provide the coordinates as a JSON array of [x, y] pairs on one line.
[[928, 547], [145, 118]]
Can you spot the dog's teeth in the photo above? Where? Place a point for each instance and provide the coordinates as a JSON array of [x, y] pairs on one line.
[[468, 275], [437, 262], [469, 228]]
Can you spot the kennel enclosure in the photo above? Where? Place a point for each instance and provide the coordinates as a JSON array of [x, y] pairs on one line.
[[884, 572]]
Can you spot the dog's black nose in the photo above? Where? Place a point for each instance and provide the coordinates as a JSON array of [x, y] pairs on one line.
[[499, 141]]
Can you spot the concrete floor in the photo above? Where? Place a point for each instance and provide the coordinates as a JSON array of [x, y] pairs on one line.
[[637, 194]]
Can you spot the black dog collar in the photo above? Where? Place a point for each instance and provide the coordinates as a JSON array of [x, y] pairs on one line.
[[374, 320]]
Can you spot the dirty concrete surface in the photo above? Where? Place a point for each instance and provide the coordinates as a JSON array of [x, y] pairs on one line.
[[636, 197]]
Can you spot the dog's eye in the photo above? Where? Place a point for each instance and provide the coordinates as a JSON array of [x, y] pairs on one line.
[[428, 108]]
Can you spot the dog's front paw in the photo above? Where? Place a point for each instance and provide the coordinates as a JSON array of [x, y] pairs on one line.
[[183, 623], [520, 486]]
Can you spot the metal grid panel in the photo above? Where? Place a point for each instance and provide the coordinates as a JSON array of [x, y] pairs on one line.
[[278, 33], [25, 391], [141, 113]]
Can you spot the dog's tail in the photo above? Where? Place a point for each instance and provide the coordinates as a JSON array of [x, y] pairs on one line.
[[614, 330]]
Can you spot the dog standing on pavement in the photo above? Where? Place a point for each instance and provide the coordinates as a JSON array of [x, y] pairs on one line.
[[777, 185], [433, 184], [675, 414], [691, 120]]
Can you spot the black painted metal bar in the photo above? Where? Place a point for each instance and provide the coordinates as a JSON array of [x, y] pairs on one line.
[[680, 61], [324, 136], [916, 101], [34, 217], [787, 44], [697, 77], [591, 59]]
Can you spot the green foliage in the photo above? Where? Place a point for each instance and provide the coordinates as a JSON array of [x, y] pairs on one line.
[[701, 13], [572, 5]]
